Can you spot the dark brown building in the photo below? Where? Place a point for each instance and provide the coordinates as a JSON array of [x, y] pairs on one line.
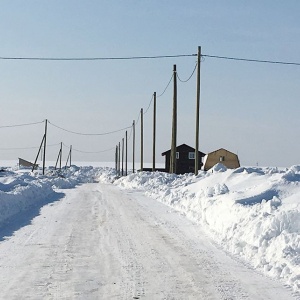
[[185, 159]]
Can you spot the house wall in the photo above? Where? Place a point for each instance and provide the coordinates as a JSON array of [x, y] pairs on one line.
[[183, 163], [230, 161]]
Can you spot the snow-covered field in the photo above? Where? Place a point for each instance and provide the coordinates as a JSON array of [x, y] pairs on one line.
[[253, 213]]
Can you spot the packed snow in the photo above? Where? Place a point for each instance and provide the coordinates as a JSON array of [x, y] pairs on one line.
[[251, 212]]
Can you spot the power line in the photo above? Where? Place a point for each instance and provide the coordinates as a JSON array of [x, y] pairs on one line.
[[190, 75], [146, 57], [95, 58], [88, 152], [252, 60], [166, 86], [149, 104], [93, 152], [24, 148], [27, 148], [88, 134], [21, 125]]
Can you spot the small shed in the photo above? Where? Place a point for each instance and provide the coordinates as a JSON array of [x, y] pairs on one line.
[[185, 159], [25, 163], [223, 156]]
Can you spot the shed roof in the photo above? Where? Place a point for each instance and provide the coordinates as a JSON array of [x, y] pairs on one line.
[[191, 149]]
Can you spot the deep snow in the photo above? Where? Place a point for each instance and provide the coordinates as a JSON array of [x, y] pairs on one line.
[[253, 213]]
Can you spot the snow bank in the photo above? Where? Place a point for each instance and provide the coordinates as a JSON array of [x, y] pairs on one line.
[[20, 188], [253, 213]]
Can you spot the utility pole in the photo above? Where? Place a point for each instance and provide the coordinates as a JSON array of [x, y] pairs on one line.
[[116, 159], [119, 159], [60, 155], [133, 145], [122, 156], [154, 131], [142, 139], [45, 141], [41, 146], [70, 155], [174, 124], [197, 112], [126, 149]]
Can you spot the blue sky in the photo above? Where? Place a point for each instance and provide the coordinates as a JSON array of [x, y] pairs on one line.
[[249, 108]]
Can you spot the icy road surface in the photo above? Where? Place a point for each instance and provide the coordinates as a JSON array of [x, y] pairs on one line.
[[100, 242]]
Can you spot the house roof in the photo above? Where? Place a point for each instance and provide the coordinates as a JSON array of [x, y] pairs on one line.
[[219, 150], [191, 149]]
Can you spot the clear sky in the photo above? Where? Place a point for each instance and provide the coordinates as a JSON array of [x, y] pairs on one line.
[[248, 108]]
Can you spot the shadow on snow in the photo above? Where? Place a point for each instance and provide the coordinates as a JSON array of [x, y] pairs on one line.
[[25, 217]]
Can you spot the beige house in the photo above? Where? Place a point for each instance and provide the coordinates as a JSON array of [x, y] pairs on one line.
[[223, 156]]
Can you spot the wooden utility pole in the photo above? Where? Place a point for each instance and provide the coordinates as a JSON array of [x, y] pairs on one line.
[[70, 155], [197, 112], [34, 164], [122, 156], [154, 131], [61, 145], [116, 159], [58, 157], [45, 141], [133, 145], [142, 138], [119, 159], [174, 124], [126, 149]]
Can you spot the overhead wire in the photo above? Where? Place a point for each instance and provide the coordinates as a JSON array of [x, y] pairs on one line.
[[149, 104], [252, 60], [27, 148], [189, 76], [88, 152], [95, 58], [166, 86], [89, 134], [21, 125]]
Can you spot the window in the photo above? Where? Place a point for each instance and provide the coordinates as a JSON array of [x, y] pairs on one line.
[[222, 158], [191, 155], [177, 155]]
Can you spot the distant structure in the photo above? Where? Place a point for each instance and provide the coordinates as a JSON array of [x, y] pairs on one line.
[[25, 163], [223, 156], [185, 159]]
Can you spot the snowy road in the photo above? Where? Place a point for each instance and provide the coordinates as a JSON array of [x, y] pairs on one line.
[[100, 242]]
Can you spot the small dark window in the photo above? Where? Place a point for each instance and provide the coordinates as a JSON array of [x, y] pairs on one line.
[[222, 158], [191, 155], [177, 155]]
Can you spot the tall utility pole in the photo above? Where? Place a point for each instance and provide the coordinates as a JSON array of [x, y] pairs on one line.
[[133, 145], [45, 141], [197, 113], [122, 156], [60, 155], [70, 155], [126, 157], [142, 138], [116, 159], [174, 124], [154, 131], [119, 159]]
